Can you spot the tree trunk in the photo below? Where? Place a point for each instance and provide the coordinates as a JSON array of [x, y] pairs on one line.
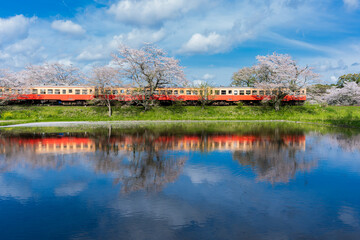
[[277, 105], [146, 106], [109, 134], [108, 103]]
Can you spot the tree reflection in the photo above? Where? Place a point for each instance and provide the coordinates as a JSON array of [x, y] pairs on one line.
[[276, 159], [347, 143], [140, 162], [147, 160]]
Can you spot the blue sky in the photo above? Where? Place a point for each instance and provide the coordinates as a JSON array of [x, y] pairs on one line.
[[211, 38]]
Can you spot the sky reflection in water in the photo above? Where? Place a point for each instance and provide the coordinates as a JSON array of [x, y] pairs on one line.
[[253, 183]]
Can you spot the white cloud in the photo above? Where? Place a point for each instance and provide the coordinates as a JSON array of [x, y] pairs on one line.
[[351, 4], [135, 38], [186, 27], [204, 79], [199, 43], [145, 35], [14, 28], [72, 189], [67, 26], [198, 82], [150, 12], [349, 216], [333, 79], [200, 174], [14, 189], [91, 55], [208, 76]]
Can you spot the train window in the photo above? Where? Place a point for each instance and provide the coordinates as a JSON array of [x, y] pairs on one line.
[[128, 92], [27, 91], [90, 90], [297, 92], [13, 91], [248, 92], [107, 91], [230, 92], [274, 92], [254, 92], [77, 91], [84, 91], [1, 90], [176, 92], [156, 92], [211, 92], [188, 92], [242, 92], [57, 91], [217, 92], [122, 91], [267, 92], [235, 92], [261, 92], [181, 91], [195, 92], [50, 91], [223, 92], [64, 91], [70, 91], [201, 92], [169, 92], [162, 92], [115, 92], [7, 90], [42, 91], [303, 91]]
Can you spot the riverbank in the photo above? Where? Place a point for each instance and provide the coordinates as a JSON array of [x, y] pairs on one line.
[[333, 115]]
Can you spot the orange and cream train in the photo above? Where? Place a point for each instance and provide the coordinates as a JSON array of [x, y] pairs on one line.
[[80, 95]]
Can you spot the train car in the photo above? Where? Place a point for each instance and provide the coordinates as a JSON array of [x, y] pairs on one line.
[[79, 95], [227, 95], [71, 95], [215, 95]]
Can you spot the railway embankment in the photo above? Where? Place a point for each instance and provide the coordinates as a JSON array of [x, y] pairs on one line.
[[348, 116]]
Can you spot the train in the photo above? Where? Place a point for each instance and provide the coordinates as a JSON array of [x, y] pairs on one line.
[[82, 95]]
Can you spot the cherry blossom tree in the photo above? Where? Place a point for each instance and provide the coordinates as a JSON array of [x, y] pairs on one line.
[[281, 76], [11, 80], [148, 69], [315, 94], [245, 77], [56, 74], [11, 84], [103, 78], [348, 95]]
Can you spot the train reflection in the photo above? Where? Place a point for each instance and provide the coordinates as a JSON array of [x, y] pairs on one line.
[[149, 161], [68, 145]]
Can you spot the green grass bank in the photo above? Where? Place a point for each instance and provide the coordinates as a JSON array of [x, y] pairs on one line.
[[335, 115]]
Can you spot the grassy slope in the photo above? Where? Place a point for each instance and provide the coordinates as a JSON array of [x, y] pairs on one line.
[[309, 113]]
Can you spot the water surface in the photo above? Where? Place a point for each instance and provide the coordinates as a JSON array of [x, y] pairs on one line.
[[180, 181]]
